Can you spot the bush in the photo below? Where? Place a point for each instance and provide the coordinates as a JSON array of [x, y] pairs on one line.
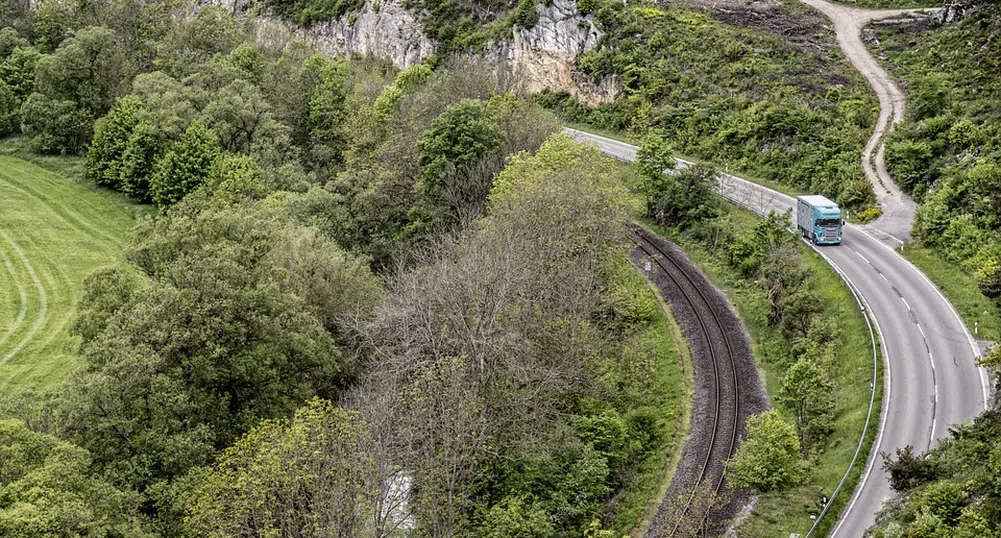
[[526, 16], [768, 459], [908, 470]]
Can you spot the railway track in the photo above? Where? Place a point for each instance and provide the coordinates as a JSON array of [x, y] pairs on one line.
[[725, 399]]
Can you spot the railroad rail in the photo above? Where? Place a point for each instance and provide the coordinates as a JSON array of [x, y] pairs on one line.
[[726, 402]]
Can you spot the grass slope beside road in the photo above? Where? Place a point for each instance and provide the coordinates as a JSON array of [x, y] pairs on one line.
[[53, 233]]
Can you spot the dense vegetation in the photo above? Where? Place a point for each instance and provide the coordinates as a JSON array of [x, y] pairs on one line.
[[407, 273], [947, 153], [765, 92]]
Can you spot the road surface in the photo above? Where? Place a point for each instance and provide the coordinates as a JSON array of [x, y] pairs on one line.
[[930, 377]]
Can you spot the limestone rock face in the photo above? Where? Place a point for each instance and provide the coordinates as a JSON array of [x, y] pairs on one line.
[[544, 56], [381, 28]]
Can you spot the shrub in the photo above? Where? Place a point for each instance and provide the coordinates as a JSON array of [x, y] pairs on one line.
[[768, 459]]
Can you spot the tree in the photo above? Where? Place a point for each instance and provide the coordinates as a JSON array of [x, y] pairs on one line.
[[46, 489], [235, 114], [10, 111], [55, 126], [184, 167], [18, 71], [112, 133], [86, 69], [315, 475], [768, 459], [809, 394], [326, 112], [457, 138]]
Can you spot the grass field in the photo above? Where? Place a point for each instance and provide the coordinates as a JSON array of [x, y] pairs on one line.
[[54, 232]]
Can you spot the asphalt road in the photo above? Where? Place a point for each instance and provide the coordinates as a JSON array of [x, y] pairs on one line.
[[930, 378]]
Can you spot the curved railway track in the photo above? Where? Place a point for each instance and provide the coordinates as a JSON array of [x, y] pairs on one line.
[[725, 400]]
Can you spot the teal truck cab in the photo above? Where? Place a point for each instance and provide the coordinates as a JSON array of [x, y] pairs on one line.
[[819, 220]]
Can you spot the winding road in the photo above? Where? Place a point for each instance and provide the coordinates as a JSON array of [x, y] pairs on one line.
[[931, 380], [898, 209]]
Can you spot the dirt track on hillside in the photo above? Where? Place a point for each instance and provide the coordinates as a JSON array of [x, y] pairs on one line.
[[898, 208]]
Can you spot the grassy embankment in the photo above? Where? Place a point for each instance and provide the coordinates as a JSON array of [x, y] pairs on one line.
[[780, 514], [54, 231], [660, 339], [981, 315]]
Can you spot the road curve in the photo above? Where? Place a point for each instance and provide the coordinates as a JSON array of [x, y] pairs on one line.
[[898, 208], [930, 377]]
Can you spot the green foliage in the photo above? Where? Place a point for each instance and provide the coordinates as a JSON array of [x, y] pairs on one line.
[[18, 71], [318, 467], [185, 167], [526, 16], [460, 136], [10, 111], [406, 80], [809, 394], [768, 459], [46, 490], [674, 198], [111, 140], [55, 126]]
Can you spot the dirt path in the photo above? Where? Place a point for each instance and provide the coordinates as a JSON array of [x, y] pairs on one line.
[[898, 208]]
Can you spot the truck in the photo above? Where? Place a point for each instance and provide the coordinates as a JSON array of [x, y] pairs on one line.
[[819, 220]]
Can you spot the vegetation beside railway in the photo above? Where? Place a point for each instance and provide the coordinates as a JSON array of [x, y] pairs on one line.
[[802, 318]]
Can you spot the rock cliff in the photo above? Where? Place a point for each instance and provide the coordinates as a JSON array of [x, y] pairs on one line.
[[544, 56]]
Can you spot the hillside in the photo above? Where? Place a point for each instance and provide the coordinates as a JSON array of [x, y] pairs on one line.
[[948, 151]]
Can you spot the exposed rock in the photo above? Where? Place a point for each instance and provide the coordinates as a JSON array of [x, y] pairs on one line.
[[958, 10], [381, 28], [544, 56]]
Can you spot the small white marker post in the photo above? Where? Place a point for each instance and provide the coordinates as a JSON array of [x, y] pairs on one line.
[[646, 266]]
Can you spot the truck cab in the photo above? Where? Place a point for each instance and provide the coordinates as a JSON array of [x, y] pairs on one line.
[[819, 220]]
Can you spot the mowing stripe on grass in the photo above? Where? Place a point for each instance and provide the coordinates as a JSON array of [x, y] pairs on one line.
[[54, 232]]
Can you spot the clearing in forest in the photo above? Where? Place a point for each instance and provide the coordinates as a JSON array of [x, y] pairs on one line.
[[53, 233]]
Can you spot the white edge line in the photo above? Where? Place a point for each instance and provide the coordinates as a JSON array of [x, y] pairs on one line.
[[868, 313], [969, 337]]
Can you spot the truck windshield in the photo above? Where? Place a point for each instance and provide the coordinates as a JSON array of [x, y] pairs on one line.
[[828, 222]]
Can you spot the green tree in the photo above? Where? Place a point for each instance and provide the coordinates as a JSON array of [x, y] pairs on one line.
[[55, 126], [235, 114], [46, 490], [10, 111], [809, 394], [327, 114], [86, 69], [112, 133], [315, 475], [185, 167], [768, 459], [457, 138], [18, 71], [139, 161]]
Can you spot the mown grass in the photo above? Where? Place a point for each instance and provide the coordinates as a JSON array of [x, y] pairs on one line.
[[781, 514], [54, 231], [981, 315], [661, 338]]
